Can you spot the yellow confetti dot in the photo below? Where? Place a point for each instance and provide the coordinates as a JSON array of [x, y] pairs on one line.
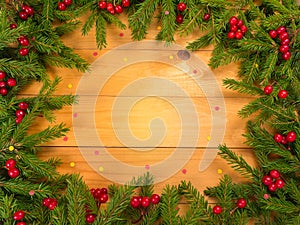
[[11, 148], [70, 86], [72, 164], [125, 59], [256, 65], [101, 169], [171, 57], [208, 138], [220, 171], [158, 27]]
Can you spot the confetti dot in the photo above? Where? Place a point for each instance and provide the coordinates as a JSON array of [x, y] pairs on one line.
[[125, 59], [184, 171], [256, 65], [208, 138], [158, 27], [171, 57], [195, 71], [121, 34], [101, 169], [219, 171], [147, 167], [65, 138], [96, 152], [72, 164], [31, 192], [167, 12], [95, 53], [70, 86], [75, 115], [183, 54], [11, 148], [266, 196], [217, 108]]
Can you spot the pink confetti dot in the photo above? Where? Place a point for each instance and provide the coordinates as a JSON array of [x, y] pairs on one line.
[[96, 152], [31, 192], [95, 53], [195, 71], [147, 167], [65, 138], [121, 34], [266, 196], [75, 115], [184, 171], [167, 12], [217, 108]]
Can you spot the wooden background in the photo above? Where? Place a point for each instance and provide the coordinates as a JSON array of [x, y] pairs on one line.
[[66, 148]]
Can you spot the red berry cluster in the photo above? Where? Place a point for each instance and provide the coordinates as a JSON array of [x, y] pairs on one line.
[[19, 215], [12, 171], [100, 195], [50, 203], [289, 138], [273, 180], [284, 41], [113, 8], [62, 6], [181, 7], [21, 112], [281, 94], [240, 204], [26, 11], [24, 42], [5, 83], [237, 28], [144, 201]]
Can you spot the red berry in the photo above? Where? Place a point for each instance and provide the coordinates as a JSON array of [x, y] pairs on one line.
[[272, 187], [13, 173], [109, 7], [126, 3], [155, 199], [47, 201], [3, 91], [181, 6], [282, 94], [23, 41], [281, 29], [21, 223], [283, 35], [13, 26], [286, 55], [243, 29], [23, 105], [273, 33], [68, 2], [90, 218], [102, 4], [103, 191], [240, 23], [217, 209], [278, 138], [23, 15], [112, 12], [241, 203], [20, 113], [11, 82], [179, 18], [103, 198], [231, 35], [52, 204], [2, 75], [10, 163], [268, 89], [285, 42], [118, 9], [284, 48], [29, 10], [267, 180], [279, 183], [275, 174], [19, 120], [19, 215], [206, 17], [135, 202], [284, 140], [97, 193], [24, 51], [234, 28], [291, 136], [61, 6], [239, 35], [233, 20], [2, 84], [145, 201]]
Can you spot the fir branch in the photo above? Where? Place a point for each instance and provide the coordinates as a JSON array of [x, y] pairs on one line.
[[101, 32], [88, 25], [168, 205], [242, 87]]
